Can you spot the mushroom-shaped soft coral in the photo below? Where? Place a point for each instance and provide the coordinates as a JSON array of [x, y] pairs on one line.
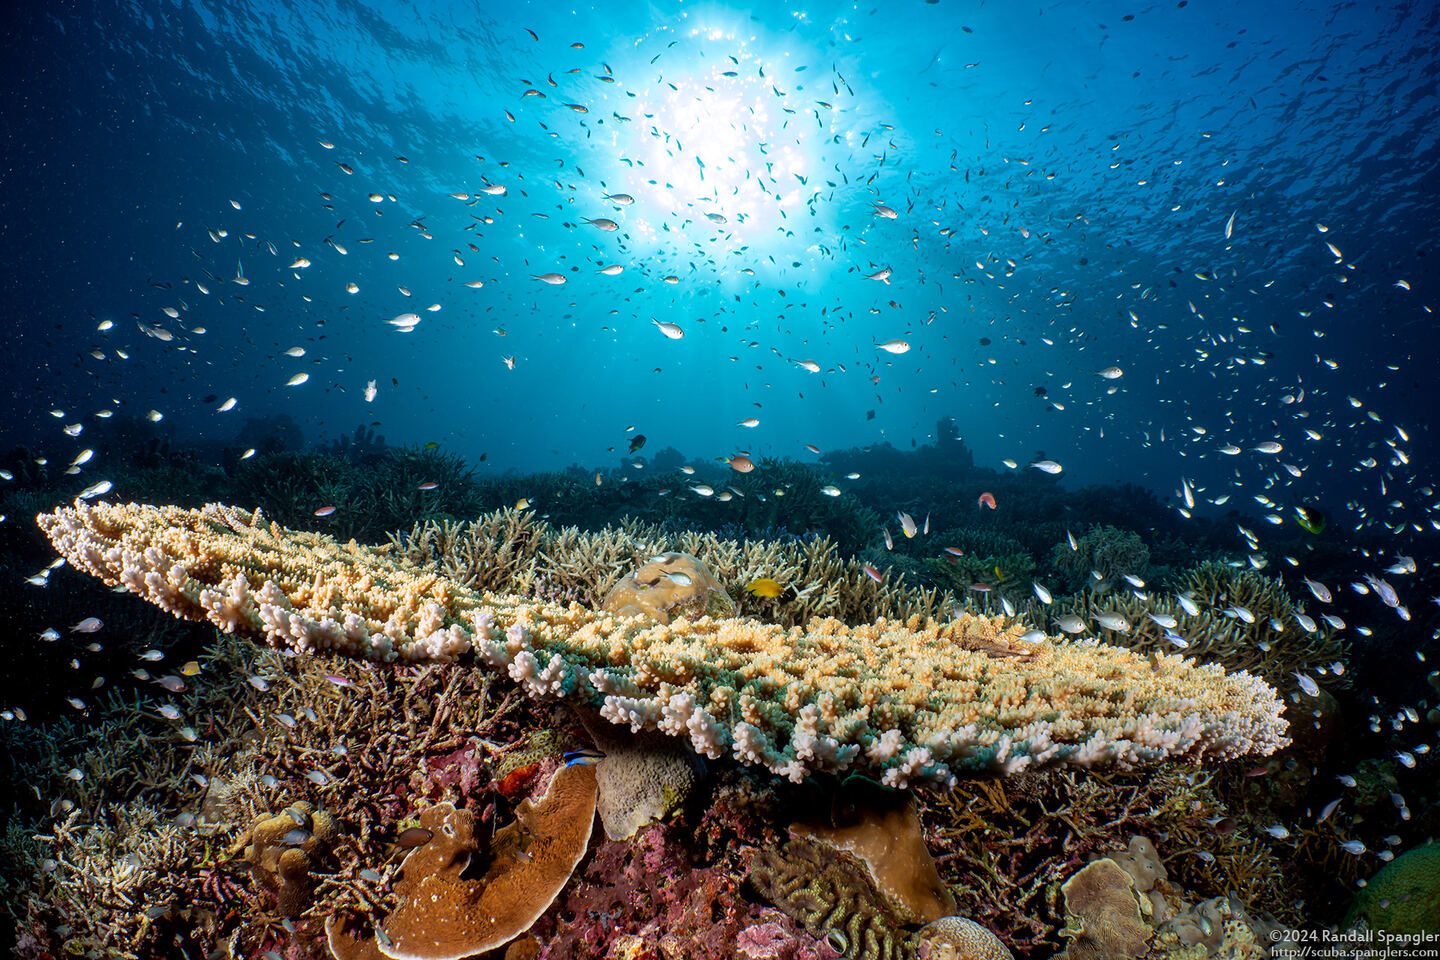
[[881, 829], [443, 915]]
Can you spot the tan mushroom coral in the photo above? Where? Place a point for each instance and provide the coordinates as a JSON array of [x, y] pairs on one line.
[[445, 916]]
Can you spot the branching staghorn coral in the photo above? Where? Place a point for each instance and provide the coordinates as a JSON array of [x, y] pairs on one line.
[[1220, 632], [515, 552], [910, 703]]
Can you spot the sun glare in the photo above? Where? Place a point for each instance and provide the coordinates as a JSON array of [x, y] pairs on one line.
[[720, 147]]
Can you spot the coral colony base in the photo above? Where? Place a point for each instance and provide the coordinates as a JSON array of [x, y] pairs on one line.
[[910, 703]]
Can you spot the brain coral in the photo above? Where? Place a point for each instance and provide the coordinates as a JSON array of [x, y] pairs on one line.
[[1404, 896], [913, 702]]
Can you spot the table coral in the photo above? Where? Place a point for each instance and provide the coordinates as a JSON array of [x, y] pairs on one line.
[[913, 703]]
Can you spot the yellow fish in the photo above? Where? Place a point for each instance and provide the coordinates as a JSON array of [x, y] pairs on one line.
[[432, 445], [190, 669], [522, 504], [765, 587]]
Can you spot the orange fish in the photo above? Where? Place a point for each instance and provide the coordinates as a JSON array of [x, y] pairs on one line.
[[741, 463], [872, 573], [987, 499], [428, 485], [324, 511], [812, 448]]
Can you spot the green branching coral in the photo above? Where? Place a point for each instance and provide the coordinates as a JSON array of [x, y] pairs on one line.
[[1109, 551], [1243, 620], [514, 551]]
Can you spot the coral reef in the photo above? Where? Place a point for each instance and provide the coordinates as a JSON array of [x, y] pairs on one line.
[[515, 551], [1123, 905], [913, 703], [1244, 621], [1105, 550], [1005, 846]]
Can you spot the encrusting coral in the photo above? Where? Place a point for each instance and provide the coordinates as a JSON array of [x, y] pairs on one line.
[[911, 703]]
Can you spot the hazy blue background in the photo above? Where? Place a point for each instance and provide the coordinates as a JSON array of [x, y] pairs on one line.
[[1120, 138]]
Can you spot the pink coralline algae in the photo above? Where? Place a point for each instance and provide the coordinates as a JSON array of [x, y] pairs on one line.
[[644, 898], [772, 940], [460, 770]]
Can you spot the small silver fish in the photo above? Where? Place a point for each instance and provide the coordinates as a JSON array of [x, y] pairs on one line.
[[1113, 621]]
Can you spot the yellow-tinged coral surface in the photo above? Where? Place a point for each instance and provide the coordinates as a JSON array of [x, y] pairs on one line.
[[913, 702]]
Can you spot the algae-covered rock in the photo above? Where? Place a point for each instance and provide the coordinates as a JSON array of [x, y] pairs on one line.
[[667, 586], [1404, 896]]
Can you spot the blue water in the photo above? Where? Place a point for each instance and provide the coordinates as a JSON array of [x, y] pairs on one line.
[[1053, 169]]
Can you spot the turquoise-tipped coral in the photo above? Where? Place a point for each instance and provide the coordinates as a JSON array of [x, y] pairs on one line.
[[909, 703]]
